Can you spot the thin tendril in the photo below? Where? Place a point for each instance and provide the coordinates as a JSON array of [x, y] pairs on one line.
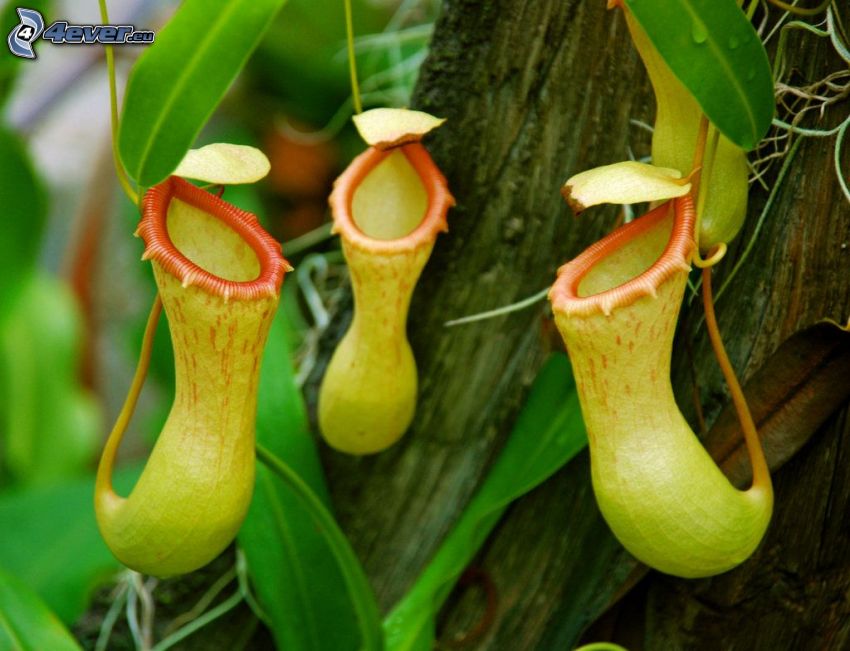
[[123, 178], [203, 603], [801, 11], [761, 473], [119, 597], [245, 588], [132, 614], [715, 257], [224, 607], [499, 311], [103, 484], [352, 62]]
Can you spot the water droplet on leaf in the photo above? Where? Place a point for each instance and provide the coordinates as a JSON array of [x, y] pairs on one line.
[[699, 32], [734, 42]]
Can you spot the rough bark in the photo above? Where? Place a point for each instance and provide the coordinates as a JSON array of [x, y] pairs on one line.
[[535, 91]]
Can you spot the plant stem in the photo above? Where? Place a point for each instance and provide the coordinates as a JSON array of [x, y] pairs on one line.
[[352, 62], [349, 565], [761, 473], [123, 178]]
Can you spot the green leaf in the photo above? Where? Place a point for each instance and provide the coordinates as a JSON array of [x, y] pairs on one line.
[[548, 432], [297, 578], [355, 581], [180, 79], [24, 212], [715, 52], [51, 542], [51, 424], [26, 624]]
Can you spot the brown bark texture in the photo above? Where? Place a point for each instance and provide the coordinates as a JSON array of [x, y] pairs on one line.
[[535, 91]]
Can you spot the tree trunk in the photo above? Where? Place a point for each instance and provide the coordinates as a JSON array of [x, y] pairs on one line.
[[535, 92]]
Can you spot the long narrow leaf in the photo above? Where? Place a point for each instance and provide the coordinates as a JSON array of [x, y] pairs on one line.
[[549, 432], [178, 82], [26, 624], [715, 52], [355, 581], [297, 579]]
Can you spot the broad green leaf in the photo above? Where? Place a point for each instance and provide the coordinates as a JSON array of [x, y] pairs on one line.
[[297, 579], [24, 212], [549, 432], [26, 624], [50, 541], [715, 52], [177, 83], [51, 424]]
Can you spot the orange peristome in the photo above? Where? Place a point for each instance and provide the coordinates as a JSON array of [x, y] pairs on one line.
[[388, 208], [675, 259], [159, 247], [433, 222]]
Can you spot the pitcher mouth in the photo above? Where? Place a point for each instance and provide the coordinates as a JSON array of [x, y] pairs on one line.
[[153, 229], [439, 200], [675, 258]]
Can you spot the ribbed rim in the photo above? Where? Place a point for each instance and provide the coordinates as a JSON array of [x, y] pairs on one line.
[[158, 245], [675, 259], [434, 221]]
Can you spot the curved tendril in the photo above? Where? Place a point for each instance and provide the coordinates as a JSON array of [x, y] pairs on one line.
[[716, 256], [761, 473], [104, 470]]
